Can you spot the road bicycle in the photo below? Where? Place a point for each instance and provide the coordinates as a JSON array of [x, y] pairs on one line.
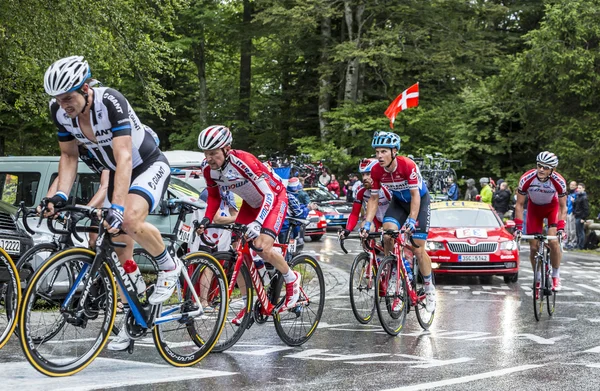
[[396, 291], [183, 332], [294, 325], [10, 296], [542, 276], [362, 277]]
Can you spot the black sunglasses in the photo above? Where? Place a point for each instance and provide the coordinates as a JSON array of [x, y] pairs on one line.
[[544, 167]]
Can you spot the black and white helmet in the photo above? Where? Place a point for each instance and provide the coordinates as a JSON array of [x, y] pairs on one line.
[[66, 75], [214, 137], [547, 159]]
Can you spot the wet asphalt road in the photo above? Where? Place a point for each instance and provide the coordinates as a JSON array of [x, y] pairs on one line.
[[484, 337]]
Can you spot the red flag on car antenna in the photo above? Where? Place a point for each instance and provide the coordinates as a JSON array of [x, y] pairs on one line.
[[408, 98]]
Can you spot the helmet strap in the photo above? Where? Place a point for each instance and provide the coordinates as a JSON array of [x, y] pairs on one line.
[[393, 158], [226, 158], [85, 98]]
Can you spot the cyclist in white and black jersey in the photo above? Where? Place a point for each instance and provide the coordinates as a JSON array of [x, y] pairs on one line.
[[103, 121]]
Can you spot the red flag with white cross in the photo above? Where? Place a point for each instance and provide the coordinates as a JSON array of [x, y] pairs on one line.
[[408, 98]]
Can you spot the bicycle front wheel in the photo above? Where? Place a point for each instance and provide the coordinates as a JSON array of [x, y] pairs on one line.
[[551, 299], [186, 341], [10, 296], [82, 334], [362, 288], [296, 325], [538, 288], [392, 296]]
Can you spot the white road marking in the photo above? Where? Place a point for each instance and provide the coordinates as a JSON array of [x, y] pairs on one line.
[[465, 379], [589, 287], [102, 373], [593, 350], [416, 361]]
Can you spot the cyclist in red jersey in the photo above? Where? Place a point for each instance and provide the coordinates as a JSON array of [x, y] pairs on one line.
[[547, 192], [364, 194], [409, 208], [264, 198]]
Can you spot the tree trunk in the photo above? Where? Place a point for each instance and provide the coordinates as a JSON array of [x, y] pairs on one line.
[[2, 146], [353, 21], [325, 77], [245, 72], [200, 61]]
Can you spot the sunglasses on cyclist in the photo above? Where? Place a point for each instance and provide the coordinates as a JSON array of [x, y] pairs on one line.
[[544, 167]]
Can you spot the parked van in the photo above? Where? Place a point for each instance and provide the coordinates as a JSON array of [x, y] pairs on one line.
[[185, 165], [27, 178]]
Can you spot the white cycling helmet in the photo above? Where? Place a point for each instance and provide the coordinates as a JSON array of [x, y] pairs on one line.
[[214, 137], [366, 165], [386, 140], [66, 75], [548, 159]]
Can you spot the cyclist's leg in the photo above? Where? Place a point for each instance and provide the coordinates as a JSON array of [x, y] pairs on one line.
[[420, 235], [394, 218], [555, 253]]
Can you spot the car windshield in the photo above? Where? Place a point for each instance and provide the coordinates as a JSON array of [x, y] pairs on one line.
[[319, 195], [181, 188], [451, 218]]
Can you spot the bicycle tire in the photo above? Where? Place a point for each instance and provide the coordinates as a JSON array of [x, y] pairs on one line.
[[538, 293], [388, 290], [189, 330], [303, 315], [424, 317], [11, 298], [550, 300], [104, 298], [232, 333], [359, 283]]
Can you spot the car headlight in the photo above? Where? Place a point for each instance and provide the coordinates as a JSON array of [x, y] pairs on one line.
[[435, 246], [327, 209], [508, 245]]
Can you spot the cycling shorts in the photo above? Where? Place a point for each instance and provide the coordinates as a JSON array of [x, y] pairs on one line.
[[274, 220], [398, 211], [149, 181], [537, 213]]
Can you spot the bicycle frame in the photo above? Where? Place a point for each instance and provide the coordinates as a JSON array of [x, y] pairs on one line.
[[400, 246]]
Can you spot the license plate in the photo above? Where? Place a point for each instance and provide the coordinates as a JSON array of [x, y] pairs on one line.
[[473, 258], [184, 233], [312, 225], [11, 246]]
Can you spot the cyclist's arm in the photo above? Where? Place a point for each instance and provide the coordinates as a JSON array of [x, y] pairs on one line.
[[353, 218], [67, 166], [562, 213], [53, 188], [415, 203], [122, 152], [98, 199]]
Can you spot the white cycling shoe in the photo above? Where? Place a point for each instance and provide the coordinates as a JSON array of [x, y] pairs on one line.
[[430, 300], [121, 342], [165, 284]]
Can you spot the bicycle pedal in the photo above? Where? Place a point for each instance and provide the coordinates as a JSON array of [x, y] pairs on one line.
[[131, 346]]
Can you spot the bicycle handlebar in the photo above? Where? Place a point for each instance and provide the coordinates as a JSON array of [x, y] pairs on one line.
[[235, 227], [395, 233]]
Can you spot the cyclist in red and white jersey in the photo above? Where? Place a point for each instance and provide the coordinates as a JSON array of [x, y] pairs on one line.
[[409, 207], [547, 192], [264, 198], [363, 195]]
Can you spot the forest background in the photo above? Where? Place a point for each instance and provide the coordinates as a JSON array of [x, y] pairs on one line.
[[500, 80]]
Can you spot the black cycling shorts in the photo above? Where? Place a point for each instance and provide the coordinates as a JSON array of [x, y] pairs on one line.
[[398, 211]]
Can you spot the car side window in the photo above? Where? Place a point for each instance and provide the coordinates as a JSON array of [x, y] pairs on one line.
[[19, 186], [86, 185]]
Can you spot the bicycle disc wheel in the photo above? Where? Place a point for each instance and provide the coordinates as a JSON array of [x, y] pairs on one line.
[[10, 296], [425, 318], [538, 293], [84, 334], [362, 288], [550, 300], [231, 332], [186, 341], [392, 296], [296, 325]]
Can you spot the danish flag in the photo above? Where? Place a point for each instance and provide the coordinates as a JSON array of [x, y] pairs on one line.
[[408, 98]]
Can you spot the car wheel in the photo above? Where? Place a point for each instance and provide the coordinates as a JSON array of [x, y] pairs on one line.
[[315, 238], [511, 278]]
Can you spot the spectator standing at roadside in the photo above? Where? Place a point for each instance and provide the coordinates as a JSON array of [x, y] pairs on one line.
[[486, 190], [472, 191], [581, 210], [453, 192], [571, 230], [324, 179], [334, 186], [501, 201], [348, 185]]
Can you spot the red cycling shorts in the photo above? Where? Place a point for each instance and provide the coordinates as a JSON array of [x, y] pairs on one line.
[[536, 215], [274, 220]]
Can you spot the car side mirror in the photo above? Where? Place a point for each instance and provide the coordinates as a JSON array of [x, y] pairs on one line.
[[510, 224]]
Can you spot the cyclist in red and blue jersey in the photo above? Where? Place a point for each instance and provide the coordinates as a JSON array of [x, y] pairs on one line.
[[264, 198], [547, 192], [409, 208]]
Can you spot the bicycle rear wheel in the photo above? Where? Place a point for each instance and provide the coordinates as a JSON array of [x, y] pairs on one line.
[[82, 336], [231, 332], [10, 296], [296, 325], [425, 318], [538, 288], [392, 296], [186, 341], [362, 288]]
